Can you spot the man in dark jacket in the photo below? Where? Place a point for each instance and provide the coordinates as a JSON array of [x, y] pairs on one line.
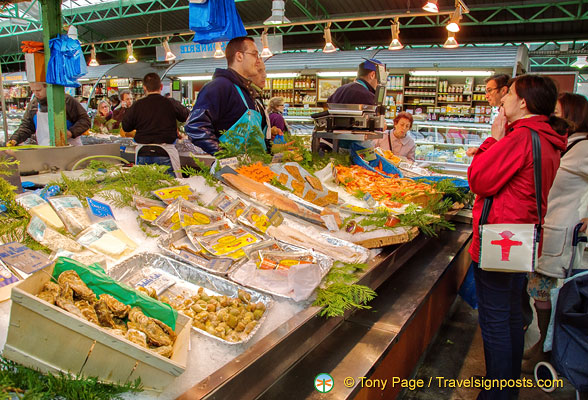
[[35, 120], [363, 90], [219, 104], [155, 119], [126, 101]]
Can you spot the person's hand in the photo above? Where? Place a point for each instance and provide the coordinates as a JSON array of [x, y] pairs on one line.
[[584, 224], [11, 143], [499, 125], [472, 151], [69, 134]]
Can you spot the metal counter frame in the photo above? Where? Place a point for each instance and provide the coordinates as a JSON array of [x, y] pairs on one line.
[[284, 363]]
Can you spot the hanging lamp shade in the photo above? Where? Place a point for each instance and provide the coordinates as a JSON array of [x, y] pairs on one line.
[[169, 55], [218, 50], [580, 62], [130, 57], [395, 43], [93, 61], [431, 6], [278, 16], [451, 43], [453, 25], [329, 46], [265, 52]]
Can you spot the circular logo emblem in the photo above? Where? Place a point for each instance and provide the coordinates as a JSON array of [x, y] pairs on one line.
[[324, 383]]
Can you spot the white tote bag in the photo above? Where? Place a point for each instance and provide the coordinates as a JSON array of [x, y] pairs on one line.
[[512, 247]]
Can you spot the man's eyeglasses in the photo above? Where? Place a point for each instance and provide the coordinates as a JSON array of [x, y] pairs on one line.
[[488, 91], [253, 53]]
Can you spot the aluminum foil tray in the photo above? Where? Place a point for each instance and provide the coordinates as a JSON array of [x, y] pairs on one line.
[[325, 263], [179, 237], [190, 279]]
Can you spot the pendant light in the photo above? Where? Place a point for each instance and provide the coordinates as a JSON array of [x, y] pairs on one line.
[[130, 57], [278, 11], [93, 61], [329, 46], [431, 6], [451, 43], [218, 50], [580, 62], [453, 25], [395, 43], [266, 52], [169, 56]]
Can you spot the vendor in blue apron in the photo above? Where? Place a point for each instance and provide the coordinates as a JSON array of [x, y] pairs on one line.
[[35, 122], [360, 91], [225, 109]]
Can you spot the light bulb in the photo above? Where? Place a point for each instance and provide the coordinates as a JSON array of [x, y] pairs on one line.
[[169, 56], [130, 57], [93, 61], [580, 62], [218, 51], [395, 43], [431, 6], [453, 25], [329, 46], [451, 43]]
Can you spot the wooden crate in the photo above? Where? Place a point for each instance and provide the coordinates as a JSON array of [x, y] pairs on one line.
[[48, 338], [388, 239]]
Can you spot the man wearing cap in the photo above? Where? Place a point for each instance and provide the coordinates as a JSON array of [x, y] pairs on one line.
[[362, 90]]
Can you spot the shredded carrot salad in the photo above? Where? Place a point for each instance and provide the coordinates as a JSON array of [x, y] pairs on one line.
[[257, 171], [392, 192]]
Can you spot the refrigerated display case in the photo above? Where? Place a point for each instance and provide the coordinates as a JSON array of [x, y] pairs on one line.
[[444, 144]]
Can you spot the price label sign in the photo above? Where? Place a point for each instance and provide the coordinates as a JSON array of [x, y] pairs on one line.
[[367, 154], [275, 217]]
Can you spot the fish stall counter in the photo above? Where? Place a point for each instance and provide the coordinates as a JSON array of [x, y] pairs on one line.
[[416, 283]]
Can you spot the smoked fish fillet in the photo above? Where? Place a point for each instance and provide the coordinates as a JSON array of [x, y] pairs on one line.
[[266, 196]]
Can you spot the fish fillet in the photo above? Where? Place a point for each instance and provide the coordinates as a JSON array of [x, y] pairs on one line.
[[265, 195]]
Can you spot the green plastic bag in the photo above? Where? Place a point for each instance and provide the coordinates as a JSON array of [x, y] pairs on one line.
[[97, 280]]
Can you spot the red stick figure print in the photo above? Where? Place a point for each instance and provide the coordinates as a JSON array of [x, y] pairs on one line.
[[506, 244]]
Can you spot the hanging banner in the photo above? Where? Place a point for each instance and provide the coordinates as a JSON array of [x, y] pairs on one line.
[[186, 51]]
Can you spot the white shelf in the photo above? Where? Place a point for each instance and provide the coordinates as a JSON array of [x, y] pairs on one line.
[[453, 124], [424, 142], [458, 169], [298, 118]]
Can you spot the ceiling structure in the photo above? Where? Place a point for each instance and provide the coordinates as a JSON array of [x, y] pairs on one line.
[[555, 31]]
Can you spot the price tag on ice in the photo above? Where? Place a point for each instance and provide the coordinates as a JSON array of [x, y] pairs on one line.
[[99, 208], [369, 199], [367, 154], [228, 162], [275, 217]]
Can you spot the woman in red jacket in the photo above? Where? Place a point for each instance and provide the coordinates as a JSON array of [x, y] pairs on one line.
[[503, 168]]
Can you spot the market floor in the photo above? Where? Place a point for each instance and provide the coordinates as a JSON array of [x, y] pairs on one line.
[[457, 352]]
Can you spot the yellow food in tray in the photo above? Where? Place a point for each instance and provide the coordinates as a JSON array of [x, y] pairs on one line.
[[388, 155]]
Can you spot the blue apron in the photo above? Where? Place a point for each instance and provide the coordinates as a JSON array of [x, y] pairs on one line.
[[362, 84], [250, 119]]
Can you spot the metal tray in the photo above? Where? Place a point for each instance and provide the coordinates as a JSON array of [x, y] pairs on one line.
[[180, 236], [194, 276], [325, 263]]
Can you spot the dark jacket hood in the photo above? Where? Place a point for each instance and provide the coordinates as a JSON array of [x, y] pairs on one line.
[[231, 76]]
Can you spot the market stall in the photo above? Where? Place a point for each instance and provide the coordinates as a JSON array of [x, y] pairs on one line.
[[219, 242], [443, 90]]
